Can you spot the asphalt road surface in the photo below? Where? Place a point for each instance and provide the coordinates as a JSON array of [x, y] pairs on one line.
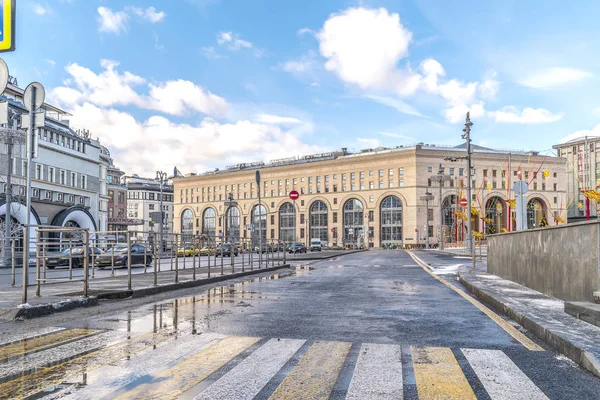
[[371, 325]]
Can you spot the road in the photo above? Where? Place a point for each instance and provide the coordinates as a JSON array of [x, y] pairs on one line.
[[371, 325]]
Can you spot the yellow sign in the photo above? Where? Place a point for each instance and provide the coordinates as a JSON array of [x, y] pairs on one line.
[[7, 25]]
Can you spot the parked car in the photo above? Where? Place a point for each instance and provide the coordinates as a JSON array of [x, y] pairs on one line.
[[226, 248], [266, 248], [297, 248], [61, 259], [187, 251], [336, 247], [315, 244], [205, 251], [139, 255]]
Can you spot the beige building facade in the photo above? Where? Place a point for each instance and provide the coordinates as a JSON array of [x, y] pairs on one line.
[[376, 198]]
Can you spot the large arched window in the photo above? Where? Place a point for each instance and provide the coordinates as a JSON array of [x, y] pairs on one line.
[[232, 220], [353, 222], [536, 214], [259, 220], [318, 221], [187, 225], [391, 220], [495, 215], [209, 223], [287, 223]]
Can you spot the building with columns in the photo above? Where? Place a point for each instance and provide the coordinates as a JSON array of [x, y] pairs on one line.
[[373, 198]]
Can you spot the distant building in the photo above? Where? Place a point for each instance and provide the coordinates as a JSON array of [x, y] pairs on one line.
[[143, 199], [65, 176], [583, 173], [116, 194], [372, 198]]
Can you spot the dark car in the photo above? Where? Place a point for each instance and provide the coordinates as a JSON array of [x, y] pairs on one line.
[[119, 255], [61, 259], [226, 249], [297, 248]]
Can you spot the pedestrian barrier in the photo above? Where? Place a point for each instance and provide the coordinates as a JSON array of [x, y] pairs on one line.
[[73, 254]]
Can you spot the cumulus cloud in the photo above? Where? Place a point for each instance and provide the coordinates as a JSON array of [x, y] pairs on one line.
[[554, 77], [40, 9], [96, 101], [303, 65], [210, 53], [112, 21], [511, 114], [594, 132], [113, 88]]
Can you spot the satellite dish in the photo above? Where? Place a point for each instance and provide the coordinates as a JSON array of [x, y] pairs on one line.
[[40, 95], [3, 76]]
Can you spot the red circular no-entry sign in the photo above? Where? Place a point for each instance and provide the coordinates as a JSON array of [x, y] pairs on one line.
[[463, 202], [294, 195]]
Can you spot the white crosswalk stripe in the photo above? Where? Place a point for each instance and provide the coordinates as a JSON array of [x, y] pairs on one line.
[[378, 373], [248, 378], [500, 377]]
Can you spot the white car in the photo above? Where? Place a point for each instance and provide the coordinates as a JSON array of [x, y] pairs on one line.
[[315, 245]]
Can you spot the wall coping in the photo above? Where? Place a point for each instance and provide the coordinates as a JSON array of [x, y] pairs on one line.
[[592, 222]]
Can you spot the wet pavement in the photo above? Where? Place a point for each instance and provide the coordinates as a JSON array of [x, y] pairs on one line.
[[361, 326]]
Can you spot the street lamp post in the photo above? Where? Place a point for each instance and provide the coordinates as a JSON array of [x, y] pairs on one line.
[[427, 198], [161, 177], [467, 137], [441, 178]]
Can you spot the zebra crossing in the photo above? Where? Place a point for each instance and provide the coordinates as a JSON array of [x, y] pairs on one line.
[[171, 365]]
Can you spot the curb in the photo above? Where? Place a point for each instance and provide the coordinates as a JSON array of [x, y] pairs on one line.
[[456, 254], [288, 259], [560, 343], [68, 305]]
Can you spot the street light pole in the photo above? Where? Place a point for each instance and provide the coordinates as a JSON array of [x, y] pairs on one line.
[[427, 198], [467, 137], [161, 177]]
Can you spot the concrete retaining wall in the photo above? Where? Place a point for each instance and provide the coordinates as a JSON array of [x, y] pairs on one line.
[[560, 261]]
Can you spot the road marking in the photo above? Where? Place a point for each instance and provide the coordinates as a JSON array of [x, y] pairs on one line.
[[438, 375], [316, 373], [17, 337], [187, 374], [500, 377], [511, 330], [109, 381], [248, 378], [43, 342], [31, 384], [378, 373]]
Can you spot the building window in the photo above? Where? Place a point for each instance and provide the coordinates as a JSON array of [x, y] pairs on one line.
[[335, 200], [301, 233], [362, 175], [318, 221], [371, 199], [391, 183], [429, 169], [380, 172], [400, 171], [73, 179], [494, 185], [485, 173], [335, 188], [371, 216], [555, 175], [287, 223], [343, 187], [451, 171], [391, 172], [301, 218], [555, 199], [460, 172], [543, 186], [272, 233], [380, 184], [352, 175], [493, 173], [353, 221], [150, 206], [555, 187], [343, 177], [534, 185], [62, 177], [187, 225], [38, 172], [310, 179], [302, 203], [401, 183], [318, 179], [362, 186], [83, 182], [353, 186], [371, 185], [334, 176], [335, 217]]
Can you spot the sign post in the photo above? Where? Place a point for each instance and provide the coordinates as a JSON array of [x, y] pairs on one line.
[[259, 220], [294, 195]]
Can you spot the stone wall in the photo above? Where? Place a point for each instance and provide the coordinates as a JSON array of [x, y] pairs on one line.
[[560, 261]]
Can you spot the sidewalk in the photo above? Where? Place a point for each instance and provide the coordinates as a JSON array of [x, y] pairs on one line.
[[542, 315], [461, 251], [69, 295]]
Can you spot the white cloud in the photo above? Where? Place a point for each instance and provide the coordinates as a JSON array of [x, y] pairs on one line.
[[511, 114], [594, 132], [233, 42], [554, 77], [157, 44], [369, 142], [597, 110], [304, 31], [363, 46], [40, 9], [112, 21], [150, 14], [395, 103], [210, 53], [304, 64], [277, 120], [50, 62], [489, 87], [176, 97], [112, 88], [158, 143]]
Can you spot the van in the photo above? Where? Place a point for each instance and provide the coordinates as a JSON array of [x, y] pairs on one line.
[[315, 245]]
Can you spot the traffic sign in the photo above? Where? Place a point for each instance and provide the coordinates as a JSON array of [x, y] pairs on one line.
[[294, 195], [463, 202], [40, 95], [231, 204], [7, 25], [520, 188]]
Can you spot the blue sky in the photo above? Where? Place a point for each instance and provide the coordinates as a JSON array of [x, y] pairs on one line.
[[207, 83]]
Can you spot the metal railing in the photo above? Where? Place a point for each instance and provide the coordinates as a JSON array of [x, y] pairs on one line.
[[65, 254]]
